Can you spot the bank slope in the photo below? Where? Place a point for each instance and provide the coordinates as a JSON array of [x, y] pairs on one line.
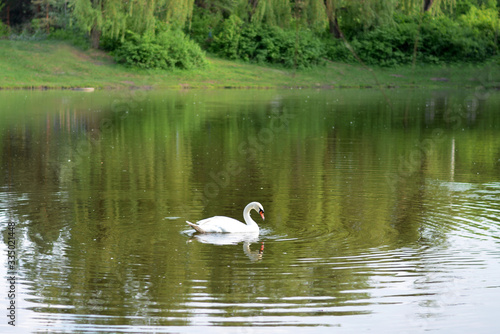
[[52, 64]]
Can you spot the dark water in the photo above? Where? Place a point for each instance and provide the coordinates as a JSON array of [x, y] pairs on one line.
[[381, 211]]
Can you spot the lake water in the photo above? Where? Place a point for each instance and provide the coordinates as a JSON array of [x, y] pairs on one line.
[[382, 211]]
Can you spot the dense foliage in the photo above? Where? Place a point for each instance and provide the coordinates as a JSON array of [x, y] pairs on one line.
[[165, 50], [299, 34], [4, 30], [263, 44], [436, 39]]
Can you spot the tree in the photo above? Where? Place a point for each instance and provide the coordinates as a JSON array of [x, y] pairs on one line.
[[177, 12], [271, 12], [333, 22], [358, 16], [16, 12], [112, 18], [109, 17], [49, 13], [313, 14], [427, 5], [89, 15], [435, 7]]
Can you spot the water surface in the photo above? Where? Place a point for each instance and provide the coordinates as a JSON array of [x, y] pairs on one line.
[[381, 209]]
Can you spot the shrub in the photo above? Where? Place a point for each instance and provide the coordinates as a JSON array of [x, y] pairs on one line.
[[182, 52], [110, 44], [440, 39], [4, 30], [27, 32], [255, 43], [203, 26], [226, 42], [141, 51], [449, 40], [337, 51], [166, 50], [387, 46]]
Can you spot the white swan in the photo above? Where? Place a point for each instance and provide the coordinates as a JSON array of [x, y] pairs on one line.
[[220, 224]]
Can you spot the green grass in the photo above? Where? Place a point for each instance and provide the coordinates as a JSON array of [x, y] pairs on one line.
[[52, 64]]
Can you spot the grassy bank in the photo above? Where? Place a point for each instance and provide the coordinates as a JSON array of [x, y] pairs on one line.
[[50, 64]]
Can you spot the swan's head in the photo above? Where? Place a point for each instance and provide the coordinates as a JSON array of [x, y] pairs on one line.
[[259, 208]]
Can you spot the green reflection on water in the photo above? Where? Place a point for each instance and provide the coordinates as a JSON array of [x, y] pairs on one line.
[[102, 183]]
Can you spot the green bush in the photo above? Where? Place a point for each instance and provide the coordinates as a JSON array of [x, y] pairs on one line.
[[110, 44], [203, 26], [387, 46], [4, 30], [273, 45], [226, 42], [141, 51], [182, 52], [337, 51], [451, 41], [482, 27], [165, 50], [440, 39]]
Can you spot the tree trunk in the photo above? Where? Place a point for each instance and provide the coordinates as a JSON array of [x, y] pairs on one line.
[[334, 27], [428, 4], [95, 37], [47, 18], [333, 23], [253, 6], [201, 4]]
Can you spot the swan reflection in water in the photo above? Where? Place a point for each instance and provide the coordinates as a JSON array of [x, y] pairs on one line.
[[221, 239]]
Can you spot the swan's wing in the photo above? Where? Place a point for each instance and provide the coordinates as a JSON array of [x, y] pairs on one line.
[[219, 224]]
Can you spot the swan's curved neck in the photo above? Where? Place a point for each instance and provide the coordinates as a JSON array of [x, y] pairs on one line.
[[248, 219]]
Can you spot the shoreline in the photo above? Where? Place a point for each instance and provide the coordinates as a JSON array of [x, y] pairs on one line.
[[494, 86], [56, 65]]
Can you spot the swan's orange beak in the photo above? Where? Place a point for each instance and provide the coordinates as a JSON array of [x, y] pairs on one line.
[[262, 214]]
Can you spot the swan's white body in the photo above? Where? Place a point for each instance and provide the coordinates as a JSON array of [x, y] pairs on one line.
[[221, 224]]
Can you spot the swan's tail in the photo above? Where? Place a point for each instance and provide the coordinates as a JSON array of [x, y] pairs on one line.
[[196, 227]]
